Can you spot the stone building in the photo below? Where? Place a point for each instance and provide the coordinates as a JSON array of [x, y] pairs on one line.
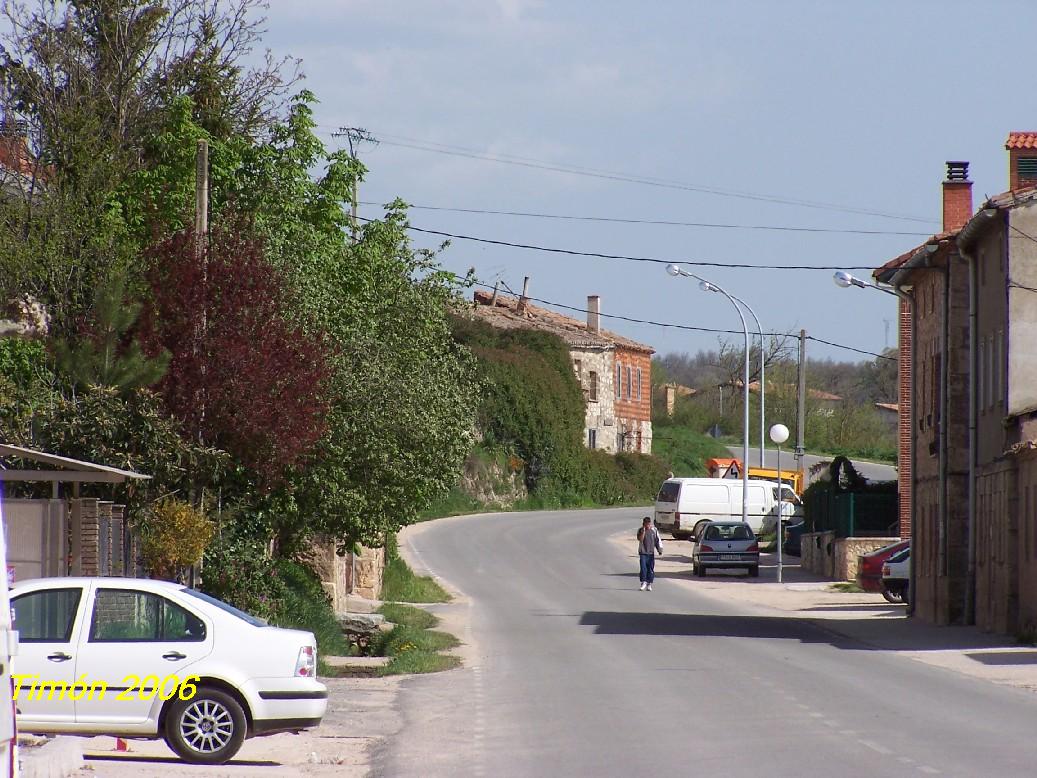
[[971, 391], [615, 372], [936, 276]]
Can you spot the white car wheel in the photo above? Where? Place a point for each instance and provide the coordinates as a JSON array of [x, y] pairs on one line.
[[207, 729]]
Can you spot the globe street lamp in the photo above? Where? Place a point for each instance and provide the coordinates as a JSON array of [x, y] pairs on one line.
[[779, 434], [707, 286]]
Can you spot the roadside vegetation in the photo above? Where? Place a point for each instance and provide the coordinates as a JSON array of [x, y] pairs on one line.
[[234, 368], [841, 415], [412, 644]]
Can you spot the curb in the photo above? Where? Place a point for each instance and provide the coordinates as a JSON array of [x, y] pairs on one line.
[[59, 757]]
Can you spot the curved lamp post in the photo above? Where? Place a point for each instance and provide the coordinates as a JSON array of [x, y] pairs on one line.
[[763, 383], [779, 434], [707, 286]]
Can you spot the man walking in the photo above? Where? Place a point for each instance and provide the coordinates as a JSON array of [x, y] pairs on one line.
[[648, 544]]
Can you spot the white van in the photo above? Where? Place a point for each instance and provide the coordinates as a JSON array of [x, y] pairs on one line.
[[684, 501]]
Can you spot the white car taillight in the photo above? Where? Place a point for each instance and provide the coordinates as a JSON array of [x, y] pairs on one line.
[[306, 664]]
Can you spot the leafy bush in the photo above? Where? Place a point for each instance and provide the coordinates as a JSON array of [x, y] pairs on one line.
[[305, 605], [174, 537], [283, 592], [239, 571]]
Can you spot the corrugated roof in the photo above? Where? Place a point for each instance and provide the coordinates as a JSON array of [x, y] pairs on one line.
[[1021, 140], [506, 313]]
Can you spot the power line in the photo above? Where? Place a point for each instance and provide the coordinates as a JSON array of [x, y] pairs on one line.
[[659, 222], [528, 162], [625, 257], [686, 327]]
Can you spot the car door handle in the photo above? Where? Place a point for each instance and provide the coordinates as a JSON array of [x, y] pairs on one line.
[[174, 656], [59, 656]]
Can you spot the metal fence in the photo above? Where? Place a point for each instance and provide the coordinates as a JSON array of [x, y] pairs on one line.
[[851, 514]]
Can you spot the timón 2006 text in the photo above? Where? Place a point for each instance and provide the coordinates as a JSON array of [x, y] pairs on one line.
[[146, 688]]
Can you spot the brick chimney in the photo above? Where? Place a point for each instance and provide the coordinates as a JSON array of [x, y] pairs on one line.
[[1022, 159], [957, 197], [593, 313]]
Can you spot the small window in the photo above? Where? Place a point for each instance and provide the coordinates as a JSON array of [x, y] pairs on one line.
[[122, 615], [630, 381], [592, 386], [47, 616], [669, 492], [619, 381], [592, 438], [578, 367], [638, 392]]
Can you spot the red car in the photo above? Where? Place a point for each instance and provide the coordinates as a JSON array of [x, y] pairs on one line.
[[869, 568]]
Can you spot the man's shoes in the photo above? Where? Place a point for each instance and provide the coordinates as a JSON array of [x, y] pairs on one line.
[[644, 586], [649, 587]]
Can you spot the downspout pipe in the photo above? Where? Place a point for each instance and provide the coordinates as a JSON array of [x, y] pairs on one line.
[[969, 606]]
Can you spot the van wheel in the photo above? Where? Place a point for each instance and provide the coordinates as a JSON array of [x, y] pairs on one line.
[[754, 571], [209, 728], [699, 570]]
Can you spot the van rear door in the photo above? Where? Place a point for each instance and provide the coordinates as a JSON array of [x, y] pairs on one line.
[[666, 506]]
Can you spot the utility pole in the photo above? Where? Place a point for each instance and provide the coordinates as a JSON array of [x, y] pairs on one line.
[[354, 137], [201, 192], [201, 246], [801, 413]]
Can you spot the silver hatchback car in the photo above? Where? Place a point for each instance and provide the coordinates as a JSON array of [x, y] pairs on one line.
[[726, 544]]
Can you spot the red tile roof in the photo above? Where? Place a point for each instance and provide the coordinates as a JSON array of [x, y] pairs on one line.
[[506, 313], [1021, 140]]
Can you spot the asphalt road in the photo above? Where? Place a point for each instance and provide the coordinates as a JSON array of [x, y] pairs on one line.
[[873, 471], [575, 672]]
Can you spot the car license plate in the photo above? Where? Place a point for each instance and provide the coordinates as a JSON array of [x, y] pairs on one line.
[[729, 557]]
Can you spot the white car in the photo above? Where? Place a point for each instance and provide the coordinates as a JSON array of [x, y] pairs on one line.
[[139, 658], [896, 576]]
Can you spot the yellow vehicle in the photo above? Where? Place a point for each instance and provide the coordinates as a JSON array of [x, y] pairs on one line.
[[793, 478]]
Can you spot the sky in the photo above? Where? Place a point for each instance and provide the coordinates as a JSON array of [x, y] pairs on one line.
[[834, 118]]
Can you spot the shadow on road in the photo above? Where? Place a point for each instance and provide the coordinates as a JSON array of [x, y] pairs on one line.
[[866, 634], [1006, 657]]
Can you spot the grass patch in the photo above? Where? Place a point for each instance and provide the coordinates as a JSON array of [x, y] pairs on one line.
[[401, 639], [408, 615], [686, 450], [848, 587], [400, 584], [413, 649], [419, 662]]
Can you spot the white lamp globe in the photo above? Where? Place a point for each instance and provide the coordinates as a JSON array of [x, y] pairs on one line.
[[779, 433]]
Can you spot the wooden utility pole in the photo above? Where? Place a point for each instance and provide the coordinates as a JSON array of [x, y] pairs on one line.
[[201, 192], [354, 137], [801, 417]]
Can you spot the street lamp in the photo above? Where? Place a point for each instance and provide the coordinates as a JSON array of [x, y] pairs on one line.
[[763, 383], [846, 280], [707, 286], [779, 434]]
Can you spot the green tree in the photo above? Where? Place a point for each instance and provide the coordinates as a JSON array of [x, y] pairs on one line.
[[103, 357]]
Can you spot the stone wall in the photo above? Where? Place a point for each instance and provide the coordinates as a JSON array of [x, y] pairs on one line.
[[344, 575], [823, 554], [817, 550]]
